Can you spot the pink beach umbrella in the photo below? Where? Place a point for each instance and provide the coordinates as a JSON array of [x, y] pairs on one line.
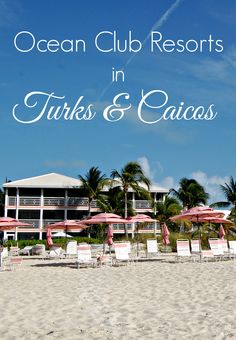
[[104, 218], [165, 234], [197, 213], [221, 232], [49, 237]]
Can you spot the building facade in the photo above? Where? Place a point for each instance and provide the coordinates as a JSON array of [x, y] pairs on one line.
[[53, 197]]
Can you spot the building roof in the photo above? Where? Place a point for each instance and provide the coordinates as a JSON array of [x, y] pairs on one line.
[[54, 180]]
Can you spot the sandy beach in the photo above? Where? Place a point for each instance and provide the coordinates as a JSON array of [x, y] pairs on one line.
[[53, 300]]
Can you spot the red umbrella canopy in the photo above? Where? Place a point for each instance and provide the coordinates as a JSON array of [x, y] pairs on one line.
[[215, 220], [68, 225], [7, 223], [106, 218], [142, 218], [197, 213]]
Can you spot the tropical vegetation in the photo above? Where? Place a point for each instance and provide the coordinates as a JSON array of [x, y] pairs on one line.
[[131, 176], [92, 184], [190, 193]]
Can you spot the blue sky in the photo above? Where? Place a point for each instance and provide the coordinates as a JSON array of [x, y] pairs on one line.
[[168, 150]]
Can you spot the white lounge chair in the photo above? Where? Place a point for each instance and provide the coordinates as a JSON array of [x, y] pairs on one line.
[[71, 249], [14, 251], [232, 248], [183, 250], [26, 250], [84, 256], [225, 247], [152, 249], [195, 246], [207, 255], [122, 250], [216, 248], [55, 253]]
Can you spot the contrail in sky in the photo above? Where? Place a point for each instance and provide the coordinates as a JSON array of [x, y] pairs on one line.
[[157, 25]]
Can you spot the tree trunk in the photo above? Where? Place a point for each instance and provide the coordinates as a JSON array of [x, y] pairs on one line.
[[126, 215]]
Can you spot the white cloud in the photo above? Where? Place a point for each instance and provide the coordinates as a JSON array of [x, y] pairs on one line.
[[211, 184], [143, 161]]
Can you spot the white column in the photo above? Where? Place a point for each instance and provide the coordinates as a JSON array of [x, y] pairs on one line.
[[133, 205], [41, 210], [66, 204], [6, 203], [16, 234], [154, 211], [133, 200], [17, 203]]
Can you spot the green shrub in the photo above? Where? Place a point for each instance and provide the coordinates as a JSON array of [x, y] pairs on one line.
[[56, 241]]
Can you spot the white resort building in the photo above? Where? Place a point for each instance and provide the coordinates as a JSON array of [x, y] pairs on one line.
[[50, 198]]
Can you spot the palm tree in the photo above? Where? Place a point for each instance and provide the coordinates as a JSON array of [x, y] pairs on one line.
[[229, 190], [167, 208], [131, 176], [92, 185], [190, 193], [113, 202]]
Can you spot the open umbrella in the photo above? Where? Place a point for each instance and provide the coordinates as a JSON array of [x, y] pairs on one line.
[[196, 214], [68, 225], [140, 219], [105, 218]]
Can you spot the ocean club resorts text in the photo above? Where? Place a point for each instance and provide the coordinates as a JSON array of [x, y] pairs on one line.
[[111, 41]]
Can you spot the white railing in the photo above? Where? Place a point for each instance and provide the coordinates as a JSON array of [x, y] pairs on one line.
[[51, 221], [12, 200], [33, 223], [143, 204], [30, 201], [54, 201]]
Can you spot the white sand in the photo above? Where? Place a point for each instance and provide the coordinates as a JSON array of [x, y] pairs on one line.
[[44, 300]]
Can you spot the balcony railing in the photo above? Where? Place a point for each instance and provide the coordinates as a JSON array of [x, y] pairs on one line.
[[143, 204], [33, 223], [29, 201], [52, 201]]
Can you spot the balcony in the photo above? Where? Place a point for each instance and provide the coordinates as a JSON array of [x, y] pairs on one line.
[[70, 202], [52, 201]]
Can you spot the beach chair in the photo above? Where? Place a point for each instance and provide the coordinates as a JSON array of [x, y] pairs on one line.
[[84, 256], [104, 260], [55, 252], [3, 258], [216, 248], [183, 250], [152, 248], [38, 249], [26, 250], [232, 248], [225, 247], [71, 249], [122, 251], [207, 255], [14, 251], [195, 246]]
